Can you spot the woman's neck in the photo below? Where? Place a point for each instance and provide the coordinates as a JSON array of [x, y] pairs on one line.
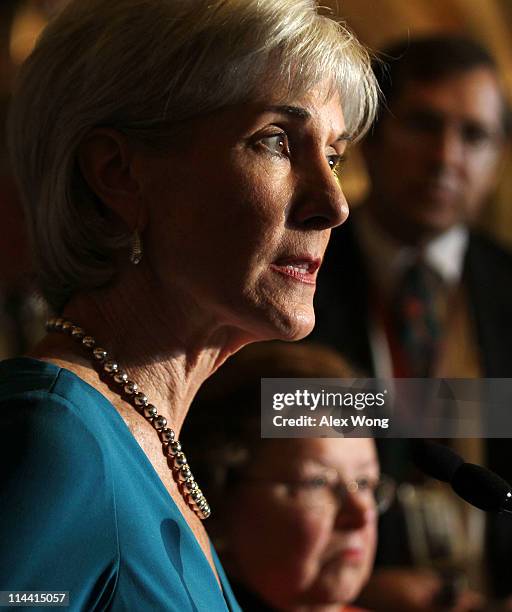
[[167, 353]]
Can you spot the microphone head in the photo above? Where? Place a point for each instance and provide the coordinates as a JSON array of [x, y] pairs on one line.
[[481, 487], [436, 460]]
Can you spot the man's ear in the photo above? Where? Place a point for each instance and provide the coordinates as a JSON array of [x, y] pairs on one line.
[[105, 159]]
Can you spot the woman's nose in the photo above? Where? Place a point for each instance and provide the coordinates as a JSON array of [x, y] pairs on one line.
[[355, 512], [320, 203]]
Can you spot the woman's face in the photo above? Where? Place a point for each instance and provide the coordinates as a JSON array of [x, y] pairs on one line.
[[240, 211], [289, 543]]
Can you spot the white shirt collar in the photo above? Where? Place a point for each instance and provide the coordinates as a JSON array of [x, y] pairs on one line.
[[386, 258], [446, 253]]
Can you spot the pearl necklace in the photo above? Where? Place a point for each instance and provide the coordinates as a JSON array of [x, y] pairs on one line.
[[129, 391]]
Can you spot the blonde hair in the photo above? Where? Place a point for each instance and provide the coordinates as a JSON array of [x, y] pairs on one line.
[[141, 66]]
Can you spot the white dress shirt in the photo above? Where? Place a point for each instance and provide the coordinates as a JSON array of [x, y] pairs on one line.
[[386, 260]]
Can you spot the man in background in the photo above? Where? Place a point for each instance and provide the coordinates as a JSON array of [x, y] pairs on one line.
[[408, 288]]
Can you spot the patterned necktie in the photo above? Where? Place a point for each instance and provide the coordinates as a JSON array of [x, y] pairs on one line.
[[418, 314]]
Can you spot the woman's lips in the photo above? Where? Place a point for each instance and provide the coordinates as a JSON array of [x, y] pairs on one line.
[[353, 554], [301, 269]]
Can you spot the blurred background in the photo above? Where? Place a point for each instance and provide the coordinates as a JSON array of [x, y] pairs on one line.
[[376, 22], [379, 22]]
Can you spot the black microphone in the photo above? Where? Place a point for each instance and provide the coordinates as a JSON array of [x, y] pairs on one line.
[[436, 460], [473, 483], [482, 488]]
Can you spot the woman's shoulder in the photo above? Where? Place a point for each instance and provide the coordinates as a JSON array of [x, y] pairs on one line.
[[57, 503], [82, 508], [24, 378], [53, 442], [35, 393], [25, 374]]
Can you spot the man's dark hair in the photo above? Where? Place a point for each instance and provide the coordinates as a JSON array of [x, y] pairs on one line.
[[429, 59]]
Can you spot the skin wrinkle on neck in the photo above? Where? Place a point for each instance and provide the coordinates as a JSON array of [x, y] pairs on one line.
[[169, 372]]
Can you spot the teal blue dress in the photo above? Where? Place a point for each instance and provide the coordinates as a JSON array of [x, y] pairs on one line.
[[82, 508]]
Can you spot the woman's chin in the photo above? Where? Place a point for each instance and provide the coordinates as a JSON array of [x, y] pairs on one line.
[[289, 323], [340, 587], [295, 325]]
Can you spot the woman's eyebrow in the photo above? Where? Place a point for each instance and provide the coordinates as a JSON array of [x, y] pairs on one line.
[[287, 109], [367, 464], [299, 112], [330, 465], [344, 137]]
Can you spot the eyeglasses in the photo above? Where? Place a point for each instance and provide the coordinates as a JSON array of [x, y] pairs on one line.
[[320, 492]]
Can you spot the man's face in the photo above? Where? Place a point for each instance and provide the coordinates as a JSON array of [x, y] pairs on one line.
[[434, 160]]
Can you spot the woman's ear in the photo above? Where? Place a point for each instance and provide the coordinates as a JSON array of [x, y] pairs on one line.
[[105, 159]]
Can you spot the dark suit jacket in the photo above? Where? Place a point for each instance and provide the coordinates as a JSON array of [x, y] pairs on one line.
[[342, 315], [342, 301]]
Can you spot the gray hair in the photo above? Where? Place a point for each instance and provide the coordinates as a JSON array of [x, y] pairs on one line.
[[141, 66]]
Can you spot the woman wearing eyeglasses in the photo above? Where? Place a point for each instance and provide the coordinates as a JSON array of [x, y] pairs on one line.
[[296, 525]]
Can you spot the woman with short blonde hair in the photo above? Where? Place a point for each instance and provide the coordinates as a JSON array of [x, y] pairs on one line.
[[177, 163]]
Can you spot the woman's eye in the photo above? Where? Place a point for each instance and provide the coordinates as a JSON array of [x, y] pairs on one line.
[[315, 483], [276, 143], [366, 484], [335, 162]]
